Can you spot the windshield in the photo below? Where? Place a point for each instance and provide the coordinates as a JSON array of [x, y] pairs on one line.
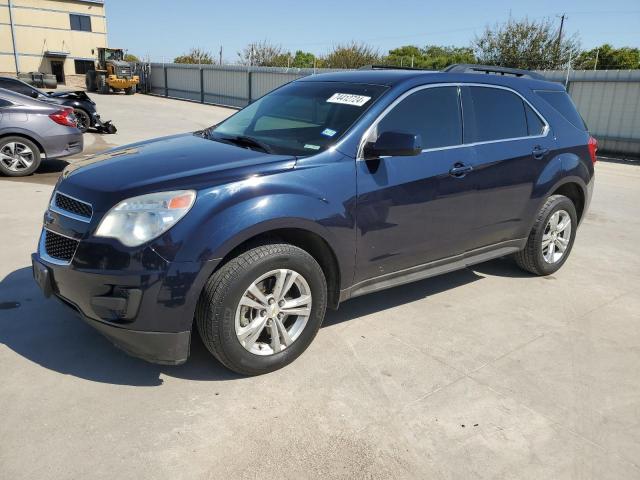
[[301, 118], [113, 55]]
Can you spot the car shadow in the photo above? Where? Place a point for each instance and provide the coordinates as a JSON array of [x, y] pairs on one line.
[[46, 332]]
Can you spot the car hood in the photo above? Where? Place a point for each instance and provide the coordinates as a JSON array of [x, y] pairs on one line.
[[186, 161]]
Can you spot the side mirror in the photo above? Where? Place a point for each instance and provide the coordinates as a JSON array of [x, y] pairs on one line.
[[393, 144]]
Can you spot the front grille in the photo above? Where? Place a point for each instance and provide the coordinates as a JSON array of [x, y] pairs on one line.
[[125, 71], [59, 247], [72, 205]]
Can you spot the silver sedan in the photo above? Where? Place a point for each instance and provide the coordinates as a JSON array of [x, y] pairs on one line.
[[31, 130]]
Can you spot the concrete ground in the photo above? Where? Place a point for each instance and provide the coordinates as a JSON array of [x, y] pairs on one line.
[[482, 373]]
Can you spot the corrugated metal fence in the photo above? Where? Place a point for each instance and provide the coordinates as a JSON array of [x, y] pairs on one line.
[[227, 85], [609, 101]]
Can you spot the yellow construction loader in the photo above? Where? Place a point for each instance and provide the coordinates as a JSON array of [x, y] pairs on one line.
[[112, 73]]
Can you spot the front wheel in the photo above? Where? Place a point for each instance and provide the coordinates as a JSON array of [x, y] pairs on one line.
[[130, 91], [262, 309], [551, 238]]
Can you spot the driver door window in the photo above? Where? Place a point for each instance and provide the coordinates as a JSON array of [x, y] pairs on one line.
[[433, 113]]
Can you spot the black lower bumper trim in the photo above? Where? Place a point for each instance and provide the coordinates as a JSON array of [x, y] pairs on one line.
[[165, 348]]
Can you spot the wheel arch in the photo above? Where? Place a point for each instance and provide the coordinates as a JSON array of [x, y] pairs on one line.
[[575, 192], [31, 138], [308, 239]]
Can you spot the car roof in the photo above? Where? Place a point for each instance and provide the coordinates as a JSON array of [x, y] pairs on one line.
[[391, 78], [18, 98]]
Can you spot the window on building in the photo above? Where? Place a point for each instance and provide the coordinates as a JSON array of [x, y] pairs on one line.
[[80, 22], [432, 113], [83, 66]]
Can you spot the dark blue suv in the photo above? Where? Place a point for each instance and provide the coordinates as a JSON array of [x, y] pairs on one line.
[[330, 187]]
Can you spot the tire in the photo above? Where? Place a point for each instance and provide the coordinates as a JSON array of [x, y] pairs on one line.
[[27, 163], [90, 81], [130, 91], [84, 119], [539, 259], [219, 315], [101, 84]]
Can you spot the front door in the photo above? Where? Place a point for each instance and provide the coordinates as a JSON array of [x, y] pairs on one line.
[[417, 209], [57, 68]]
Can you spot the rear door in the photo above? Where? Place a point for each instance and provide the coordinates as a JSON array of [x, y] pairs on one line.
[[512, 145]]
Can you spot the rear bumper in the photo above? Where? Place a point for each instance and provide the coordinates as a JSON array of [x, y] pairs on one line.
[[63, 145]]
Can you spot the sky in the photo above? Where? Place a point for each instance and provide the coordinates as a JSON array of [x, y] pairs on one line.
[[164, 29]]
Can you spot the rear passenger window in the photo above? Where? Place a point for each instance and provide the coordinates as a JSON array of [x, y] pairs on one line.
[[493, 114], [561, 101], [432, 113], [535, 125]]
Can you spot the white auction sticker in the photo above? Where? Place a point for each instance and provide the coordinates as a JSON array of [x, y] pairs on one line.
[[348, 99]]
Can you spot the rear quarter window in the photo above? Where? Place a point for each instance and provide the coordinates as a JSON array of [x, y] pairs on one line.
[[562, 103]]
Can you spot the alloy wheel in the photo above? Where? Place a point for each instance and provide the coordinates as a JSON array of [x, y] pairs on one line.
[[273, 312], [16, 156], [556, 236]]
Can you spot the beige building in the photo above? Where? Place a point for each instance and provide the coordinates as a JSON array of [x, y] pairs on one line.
[[51, 36]]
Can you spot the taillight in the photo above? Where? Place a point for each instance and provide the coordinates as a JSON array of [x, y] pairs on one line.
[[64, 117], [593, 148]]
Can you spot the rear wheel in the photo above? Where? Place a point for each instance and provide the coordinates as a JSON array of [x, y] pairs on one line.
[[18, 156], [131, 90], [83, 119], [551, 238], [262, 309]]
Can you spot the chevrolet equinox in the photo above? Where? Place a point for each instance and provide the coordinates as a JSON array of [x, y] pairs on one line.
[[330, 187]]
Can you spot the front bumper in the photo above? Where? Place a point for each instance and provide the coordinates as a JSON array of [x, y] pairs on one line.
[[169, 348]]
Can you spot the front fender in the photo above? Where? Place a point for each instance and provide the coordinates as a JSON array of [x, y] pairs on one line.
[[225, 216]]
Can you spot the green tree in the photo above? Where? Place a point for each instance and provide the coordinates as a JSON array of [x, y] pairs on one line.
[[433, 57], [264, 54], [129, 57], [195, 56], [609, 58], [351, 55], [527, 44], [303, 59]]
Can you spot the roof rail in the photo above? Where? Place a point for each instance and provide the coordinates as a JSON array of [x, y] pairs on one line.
[[471, 68], [388, 67]]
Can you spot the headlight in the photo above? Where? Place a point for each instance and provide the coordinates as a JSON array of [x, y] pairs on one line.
[[139, 219]]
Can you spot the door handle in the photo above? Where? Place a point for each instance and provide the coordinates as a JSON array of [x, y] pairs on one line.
[[539, 153], [459, 170]]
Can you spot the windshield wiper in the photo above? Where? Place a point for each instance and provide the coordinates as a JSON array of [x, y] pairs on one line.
[[243, 141]]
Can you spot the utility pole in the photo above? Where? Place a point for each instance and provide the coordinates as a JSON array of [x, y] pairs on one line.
[[16, 55], [559, 41], [220, 61], [595, 64]]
